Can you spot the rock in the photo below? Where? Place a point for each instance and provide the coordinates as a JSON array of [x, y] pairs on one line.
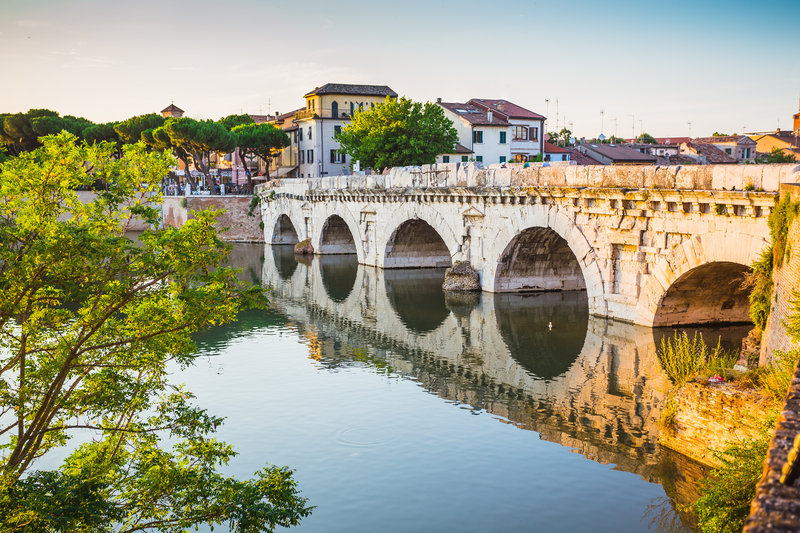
[[461, 277], [304, 248]]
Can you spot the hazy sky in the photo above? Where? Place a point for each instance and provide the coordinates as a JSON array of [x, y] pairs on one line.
[[724, 65]]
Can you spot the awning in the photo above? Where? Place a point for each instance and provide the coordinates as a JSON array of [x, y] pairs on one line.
[[282, 171]]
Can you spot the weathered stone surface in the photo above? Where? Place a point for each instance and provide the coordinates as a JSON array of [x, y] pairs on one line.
[[631, 248], [235, 223], [708, 416], [461, 277], [304, 247]]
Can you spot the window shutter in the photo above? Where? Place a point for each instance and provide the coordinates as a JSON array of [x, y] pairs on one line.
[[333, 156], [533, 134]]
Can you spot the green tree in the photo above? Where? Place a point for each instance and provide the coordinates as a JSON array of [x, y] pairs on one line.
[[231, 121], [646, 138], [159, 139], [200, 138], [777, 155], [88, 322], [616, 140], [398, 133], [130, 130], [18, 132], [261, 140]]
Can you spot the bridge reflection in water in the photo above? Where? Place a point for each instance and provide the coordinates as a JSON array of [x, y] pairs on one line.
[[587, 383]]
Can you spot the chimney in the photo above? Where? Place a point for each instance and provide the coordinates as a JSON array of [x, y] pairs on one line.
[[438, 100], [489, 116]]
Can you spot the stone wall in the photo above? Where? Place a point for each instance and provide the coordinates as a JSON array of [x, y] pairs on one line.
[[707, 416], [235, 224], [786, 279], [698, 177]]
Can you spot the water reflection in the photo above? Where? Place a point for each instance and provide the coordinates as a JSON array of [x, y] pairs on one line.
[[338, 275], [283, 259], [543, 331], [589, 384], [416, 296]]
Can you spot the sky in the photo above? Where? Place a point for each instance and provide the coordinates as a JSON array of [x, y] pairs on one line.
[[727, 66]]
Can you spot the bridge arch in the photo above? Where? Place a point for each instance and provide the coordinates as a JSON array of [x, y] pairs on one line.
[[423, 239], [699, 282], [340, 235], [558, 239], [285, 230]]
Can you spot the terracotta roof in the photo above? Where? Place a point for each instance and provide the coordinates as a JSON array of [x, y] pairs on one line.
[[712, 153], [725, 139], [786, 136], [582, 159], [619, 153], [259, 119], [172, 108], [474, 114], [461, 149], [507, 108], [550, 148], [672, 140], [347, 88], [676, 160]]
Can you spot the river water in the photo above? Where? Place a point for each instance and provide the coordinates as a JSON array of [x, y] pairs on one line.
[[404, 409]]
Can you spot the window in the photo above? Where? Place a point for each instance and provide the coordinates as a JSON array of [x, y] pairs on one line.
[[502, 159], [335, 109], [534, 134], [352, 108], [520, 133], [337, 156], [464, 159], [728, 151], [310, 156], [519, 158], [302, 155], [309, 133], [337, 130], [479, 158], [300, 134], [295, 137], [445, 159], [502, 137], [477, 136]]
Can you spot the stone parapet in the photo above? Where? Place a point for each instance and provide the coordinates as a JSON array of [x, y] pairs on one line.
[[443, 175]]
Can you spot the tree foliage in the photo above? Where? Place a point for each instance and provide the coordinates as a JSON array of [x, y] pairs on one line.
[[130, 130], [560, 138], [777, 155], [231, 121], [19, 132], [199, 138], [260, 140], [646, 138], [89, 320], [398, 133]]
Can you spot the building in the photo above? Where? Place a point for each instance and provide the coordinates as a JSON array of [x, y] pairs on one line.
[[527, 127], [615, 154], [706, 153], [172, 111], [328, 108], [483, 135], [740, 147], [285, 164], [786, 141], [554, 152]]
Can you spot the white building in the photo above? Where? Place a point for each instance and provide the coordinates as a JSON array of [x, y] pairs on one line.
[[486, 134], [328, 109], [527, 127]]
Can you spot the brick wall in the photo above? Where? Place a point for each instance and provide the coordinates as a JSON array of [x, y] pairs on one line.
[[235, 224], [786, 279]]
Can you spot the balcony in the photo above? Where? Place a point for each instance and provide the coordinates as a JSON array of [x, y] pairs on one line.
[[312, 113]]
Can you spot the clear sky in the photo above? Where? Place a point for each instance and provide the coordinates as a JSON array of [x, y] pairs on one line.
[[726, 65]]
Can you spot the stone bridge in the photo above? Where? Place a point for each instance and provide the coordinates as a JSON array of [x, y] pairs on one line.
[[650, 245]]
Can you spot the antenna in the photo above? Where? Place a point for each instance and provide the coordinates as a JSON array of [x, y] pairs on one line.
[[269, 106], [602, 116], [690, 128], [633, 127]]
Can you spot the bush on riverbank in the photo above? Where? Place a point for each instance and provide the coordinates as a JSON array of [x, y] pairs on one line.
[[684, 358]]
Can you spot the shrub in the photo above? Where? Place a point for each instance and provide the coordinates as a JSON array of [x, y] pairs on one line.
[[725, 498], [759, 281], [780, 220], [683, 358]]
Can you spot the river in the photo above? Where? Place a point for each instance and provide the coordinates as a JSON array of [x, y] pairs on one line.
[[402, 408]]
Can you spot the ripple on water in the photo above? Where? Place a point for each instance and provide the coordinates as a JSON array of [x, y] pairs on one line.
[[360, 437]]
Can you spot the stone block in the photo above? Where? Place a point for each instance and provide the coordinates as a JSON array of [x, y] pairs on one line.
[[658, 177]]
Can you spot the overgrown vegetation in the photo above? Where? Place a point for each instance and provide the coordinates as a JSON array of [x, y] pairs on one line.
[[728, 491], [780, 220], [684, 358], [759, 281]]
